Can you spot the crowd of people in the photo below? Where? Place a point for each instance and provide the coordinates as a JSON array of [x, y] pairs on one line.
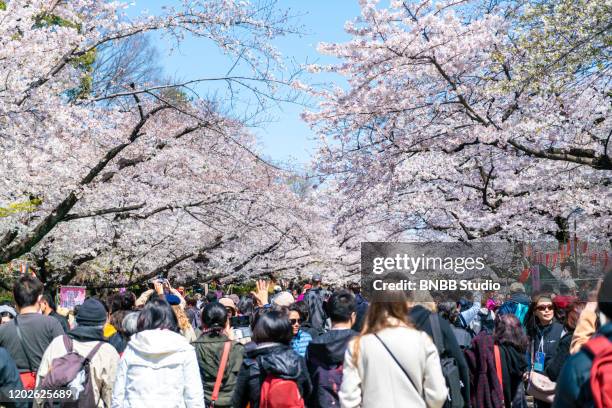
[[309, 346]]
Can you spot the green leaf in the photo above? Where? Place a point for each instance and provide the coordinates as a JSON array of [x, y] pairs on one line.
[[24, 206]]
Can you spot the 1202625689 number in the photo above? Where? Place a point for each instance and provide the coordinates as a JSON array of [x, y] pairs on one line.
[[38, 394]]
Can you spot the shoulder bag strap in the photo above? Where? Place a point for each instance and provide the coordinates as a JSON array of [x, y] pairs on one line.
[[67, 343], [464, 324], [436, 332], [498, 365], [398, 363], [94, 350], [21, 342], [222, 364], [532, 354]]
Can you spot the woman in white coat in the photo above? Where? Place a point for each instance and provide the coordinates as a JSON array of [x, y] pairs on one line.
[[391, 364], [159, 367]]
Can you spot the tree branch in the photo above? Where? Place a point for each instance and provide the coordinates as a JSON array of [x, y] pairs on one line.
[[254, 255], [165, 268], [104, 211], [76, 262], [8, 237], [234, 79], [111, 154], [573, 155], [63, 208]]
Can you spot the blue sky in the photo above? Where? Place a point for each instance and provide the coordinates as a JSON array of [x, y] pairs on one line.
[[285, 139]]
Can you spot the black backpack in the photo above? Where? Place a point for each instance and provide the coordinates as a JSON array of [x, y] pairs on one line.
[[316, 309], [464, 337], [450, 370]]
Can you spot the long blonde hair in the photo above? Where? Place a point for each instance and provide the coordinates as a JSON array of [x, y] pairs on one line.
[[181, 318], [390, 312]]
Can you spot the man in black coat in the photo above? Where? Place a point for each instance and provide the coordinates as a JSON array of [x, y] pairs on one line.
[[361, 306], [314, 298], [325, 354], [419, 316], [47, 307]]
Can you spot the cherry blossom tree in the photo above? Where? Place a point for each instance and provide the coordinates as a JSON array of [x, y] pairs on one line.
[[469, 120], [113, 185]]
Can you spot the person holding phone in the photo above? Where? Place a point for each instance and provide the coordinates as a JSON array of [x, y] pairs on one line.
[[219, 357], [162, 287]]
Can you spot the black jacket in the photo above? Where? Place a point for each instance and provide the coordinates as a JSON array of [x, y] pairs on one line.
[[61, 319], [325, 357], [87, 333], [514, 364], [420, 317], [316, 310], [276, 359], [520, 298], [558, 359], [314, 333], [549, 336], [360, 310]]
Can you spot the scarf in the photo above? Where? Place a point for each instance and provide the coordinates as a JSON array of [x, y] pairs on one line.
[[514, 364], [87, 333]]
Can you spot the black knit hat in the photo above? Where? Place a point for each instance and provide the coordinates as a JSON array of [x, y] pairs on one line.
[[605, 296], [91, 313]]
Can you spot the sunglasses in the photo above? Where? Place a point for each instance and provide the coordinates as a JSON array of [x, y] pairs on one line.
[[295, 321], [544, 307], [6, 314]]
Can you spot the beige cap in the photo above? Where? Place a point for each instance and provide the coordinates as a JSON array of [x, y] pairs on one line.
[[227, 302], [283, 299], [517, 287]]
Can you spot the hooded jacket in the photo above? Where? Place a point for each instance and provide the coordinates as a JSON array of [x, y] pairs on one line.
[[276, 359], [574, 383], [103, 366], [324, 360], [209, 350], [158, 368]]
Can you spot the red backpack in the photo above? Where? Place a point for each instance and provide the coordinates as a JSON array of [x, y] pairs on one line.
[[601, 371], [280, 393]]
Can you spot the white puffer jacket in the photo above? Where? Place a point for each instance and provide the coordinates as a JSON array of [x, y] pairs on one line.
[[158, 369]]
